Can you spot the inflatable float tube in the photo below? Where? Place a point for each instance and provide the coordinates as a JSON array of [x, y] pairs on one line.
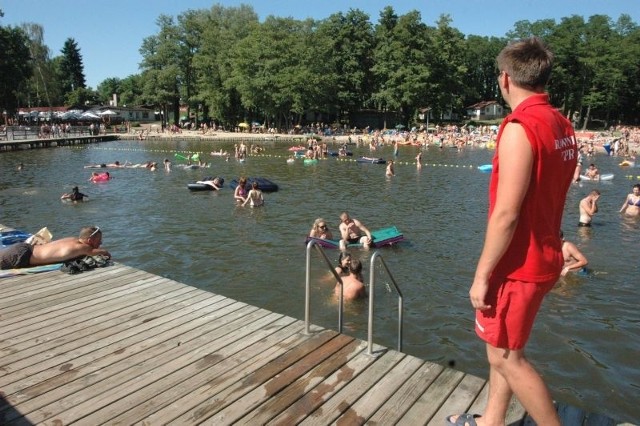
[[192, 166], [607, 176], [101, 177], [337, 154], [264, 185], [310, 160], [381, 237], [486, 167], [370, 160], [627, 163], [298, 148], [195, 186], [12, 236]]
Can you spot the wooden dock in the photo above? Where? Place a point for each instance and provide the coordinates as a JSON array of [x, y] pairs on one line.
[[117, 345], [14, 145]]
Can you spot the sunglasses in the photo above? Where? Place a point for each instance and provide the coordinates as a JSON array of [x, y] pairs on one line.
[[323, 226], [95, 232]]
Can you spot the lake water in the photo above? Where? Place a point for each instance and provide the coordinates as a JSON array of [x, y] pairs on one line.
[[586, 340]]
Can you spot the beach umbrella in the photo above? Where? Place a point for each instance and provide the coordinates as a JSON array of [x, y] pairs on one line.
[[243, 125], [107, 112], [71, 115], [400, 126], [88, 115]]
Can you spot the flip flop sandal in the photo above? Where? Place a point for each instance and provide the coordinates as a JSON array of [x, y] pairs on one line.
[[465, 419]]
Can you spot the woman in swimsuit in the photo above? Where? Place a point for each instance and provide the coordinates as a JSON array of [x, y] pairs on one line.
[[631, 205], [255, 196], [240, 193], [321, 230], [390, 169]]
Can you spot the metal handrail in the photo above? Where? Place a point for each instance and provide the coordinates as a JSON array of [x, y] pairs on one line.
[[375, 256], [307, 296]]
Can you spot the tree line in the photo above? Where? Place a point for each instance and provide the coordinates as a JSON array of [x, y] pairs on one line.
[[224, 64]]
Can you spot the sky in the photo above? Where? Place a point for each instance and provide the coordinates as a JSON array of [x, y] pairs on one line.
[[109, 33]]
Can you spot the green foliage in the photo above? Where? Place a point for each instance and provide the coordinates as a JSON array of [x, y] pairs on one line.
[[14, 73], [70, 68], [346, 43], [81, 96]]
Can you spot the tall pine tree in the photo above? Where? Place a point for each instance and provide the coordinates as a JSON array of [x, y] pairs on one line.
[[71, 69]]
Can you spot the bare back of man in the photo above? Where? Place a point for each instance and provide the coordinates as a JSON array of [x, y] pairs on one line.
[[63, 250], [352, 285]]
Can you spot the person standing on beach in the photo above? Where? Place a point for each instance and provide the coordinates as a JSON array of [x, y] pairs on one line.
[[521, 260]]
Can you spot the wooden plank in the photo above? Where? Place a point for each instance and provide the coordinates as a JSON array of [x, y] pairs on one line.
[[59, 320], [515, 410], [435, 395], [371, 400], [68, 368], [459, 400], [182, 369], [86, 337], [87, 313], [282, 399], [121, 346], [171, 401], [38, 297], [105, 380], [230, 372], [407, 395], [219, 399], [91, 292], [232, 412], [315, 397], [340, 402]]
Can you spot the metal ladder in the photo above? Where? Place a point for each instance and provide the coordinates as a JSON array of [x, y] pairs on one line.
[[307, 299], [372, 275]]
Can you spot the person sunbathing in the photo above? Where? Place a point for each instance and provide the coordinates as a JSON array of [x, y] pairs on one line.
[[24, 255]]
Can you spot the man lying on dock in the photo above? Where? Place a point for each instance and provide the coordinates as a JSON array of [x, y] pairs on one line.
[[24, 255]]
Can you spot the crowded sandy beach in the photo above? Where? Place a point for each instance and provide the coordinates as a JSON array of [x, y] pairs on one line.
[[623, 141]]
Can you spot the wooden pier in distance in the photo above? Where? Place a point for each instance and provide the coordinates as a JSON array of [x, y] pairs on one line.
[[117, 345], [14, 145]]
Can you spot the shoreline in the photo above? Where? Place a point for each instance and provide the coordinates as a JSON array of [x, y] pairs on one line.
[[153, 133]]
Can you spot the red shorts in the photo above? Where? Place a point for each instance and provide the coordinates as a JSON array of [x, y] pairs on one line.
[[514, 306]]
